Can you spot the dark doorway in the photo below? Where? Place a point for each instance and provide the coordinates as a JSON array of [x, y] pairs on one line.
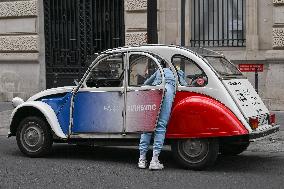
[[74, 31]]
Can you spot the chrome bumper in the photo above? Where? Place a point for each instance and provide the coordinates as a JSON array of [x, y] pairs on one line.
[[264, 134]]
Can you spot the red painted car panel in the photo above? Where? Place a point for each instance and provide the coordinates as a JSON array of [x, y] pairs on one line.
[[195, 116]]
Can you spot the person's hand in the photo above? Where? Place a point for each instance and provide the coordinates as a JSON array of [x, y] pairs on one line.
[[177, 67]]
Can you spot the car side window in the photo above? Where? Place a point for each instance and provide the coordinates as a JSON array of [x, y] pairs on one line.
[[189, 72], [141, 68], [107, 73]]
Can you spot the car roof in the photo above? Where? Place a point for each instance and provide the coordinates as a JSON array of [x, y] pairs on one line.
[[204, 52], [199, 51]]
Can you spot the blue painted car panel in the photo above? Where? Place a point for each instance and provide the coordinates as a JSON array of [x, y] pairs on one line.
[[98, 112], [61, 107], [55, 102]]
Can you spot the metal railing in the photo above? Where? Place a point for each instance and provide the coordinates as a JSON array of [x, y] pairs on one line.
[[74, 31], [218, 23]]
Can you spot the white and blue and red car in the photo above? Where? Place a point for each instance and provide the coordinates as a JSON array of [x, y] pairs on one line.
[[216, 112]]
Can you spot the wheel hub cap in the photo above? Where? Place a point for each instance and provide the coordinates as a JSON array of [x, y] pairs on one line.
[[193, 148], [32, 136]]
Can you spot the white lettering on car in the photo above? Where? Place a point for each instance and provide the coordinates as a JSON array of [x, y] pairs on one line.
[[132, 108], [154, 106], [111, 108], [141, 107]]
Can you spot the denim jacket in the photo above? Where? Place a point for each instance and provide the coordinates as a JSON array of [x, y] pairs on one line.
[[156, 78]]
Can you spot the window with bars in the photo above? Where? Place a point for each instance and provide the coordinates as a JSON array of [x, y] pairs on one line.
[[218, 23]]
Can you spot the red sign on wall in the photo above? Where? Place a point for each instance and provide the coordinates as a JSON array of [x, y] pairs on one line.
[[251, 67]]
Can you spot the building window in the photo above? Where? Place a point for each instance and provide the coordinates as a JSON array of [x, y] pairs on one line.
[[218, 23]]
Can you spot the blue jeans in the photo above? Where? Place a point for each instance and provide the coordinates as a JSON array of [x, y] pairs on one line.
[[161, 125]]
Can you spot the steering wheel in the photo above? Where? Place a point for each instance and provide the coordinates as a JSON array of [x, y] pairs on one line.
[[197, 80]]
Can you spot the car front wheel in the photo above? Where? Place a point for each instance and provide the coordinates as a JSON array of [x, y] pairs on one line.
[[196, 153], [34, 137]]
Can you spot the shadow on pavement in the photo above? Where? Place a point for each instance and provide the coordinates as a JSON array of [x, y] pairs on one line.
[[124, 155], [248, 162]]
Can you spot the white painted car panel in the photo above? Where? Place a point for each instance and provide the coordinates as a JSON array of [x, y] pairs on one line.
[[47, 112], [51, 91], [248, 100]]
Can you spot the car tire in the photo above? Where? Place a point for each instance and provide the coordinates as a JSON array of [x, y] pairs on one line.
[[233, 149], [34, 137], [196, 154]]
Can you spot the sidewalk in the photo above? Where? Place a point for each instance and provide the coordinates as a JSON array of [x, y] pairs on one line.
[[280, 119], [5, 106], [4, 122], [5, 112]]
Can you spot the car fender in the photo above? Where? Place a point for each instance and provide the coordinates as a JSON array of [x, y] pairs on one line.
[[47, 111], [196, 115]]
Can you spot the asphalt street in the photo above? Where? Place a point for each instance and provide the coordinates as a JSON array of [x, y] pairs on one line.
[[261, 166], [69, 166]]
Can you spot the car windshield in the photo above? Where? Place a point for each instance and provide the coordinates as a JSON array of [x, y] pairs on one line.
[[223, 66]]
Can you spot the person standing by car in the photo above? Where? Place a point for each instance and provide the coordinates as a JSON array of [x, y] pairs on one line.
[[160, 131]]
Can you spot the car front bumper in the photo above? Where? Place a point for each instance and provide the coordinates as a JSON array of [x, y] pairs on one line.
[[259, 135]]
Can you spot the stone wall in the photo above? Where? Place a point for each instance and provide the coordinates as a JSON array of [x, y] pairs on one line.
[[135, 22], [19, 49], [274, 82], [278, 27], [264, 39]]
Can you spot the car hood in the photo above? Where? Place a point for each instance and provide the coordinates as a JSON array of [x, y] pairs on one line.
[[51, 91]]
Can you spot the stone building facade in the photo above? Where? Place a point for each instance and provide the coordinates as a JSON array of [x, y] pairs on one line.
[[264, 39], [21, 49], [22, 42]]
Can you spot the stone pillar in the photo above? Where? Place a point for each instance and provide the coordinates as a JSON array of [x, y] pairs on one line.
[[188, 15], [19, 49], [135, 22], [169, 22], [251, 25]]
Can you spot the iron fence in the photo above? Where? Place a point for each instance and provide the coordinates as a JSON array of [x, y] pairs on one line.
[[218, 23], [74, 31]]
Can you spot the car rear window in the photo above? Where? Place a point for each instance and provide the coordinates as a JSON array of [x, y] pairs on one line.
[[223, 66]]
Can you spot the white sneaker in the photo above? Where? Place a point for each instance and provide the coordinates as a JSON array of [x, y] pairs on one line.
[[156, 165], [142, 163]]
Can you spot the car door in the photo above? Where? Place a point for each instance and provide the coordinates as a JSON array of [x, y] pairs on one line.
[[99, 104], [142, 101]]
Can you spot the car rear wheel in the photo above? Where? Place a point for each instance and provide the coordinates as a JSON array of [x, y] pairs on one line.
[[233, 149], [34, 137], [196, 154]]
